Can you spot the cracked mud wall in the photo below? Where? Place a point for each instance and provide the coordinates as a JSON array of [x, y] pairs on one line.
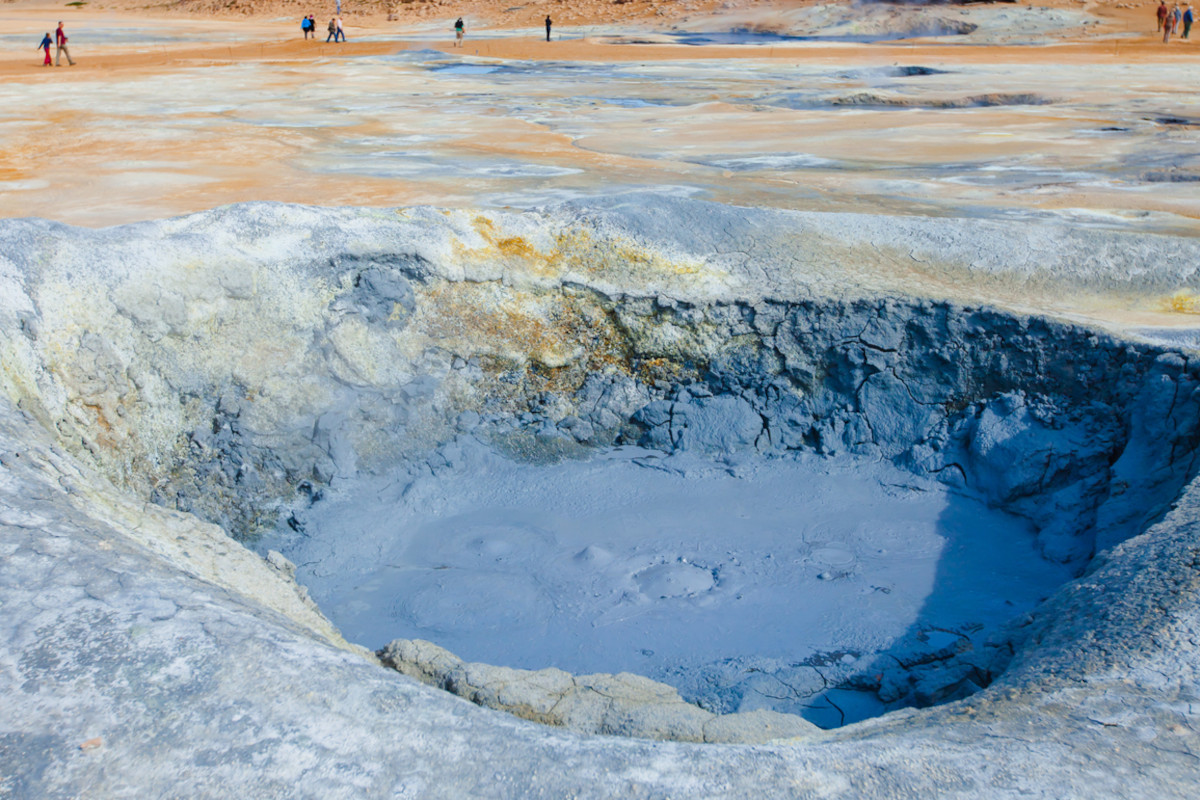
[[223, 370]]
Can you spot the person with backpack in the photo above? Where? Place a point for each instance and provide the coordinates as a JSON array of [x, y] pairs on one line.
[[306, 25], [45, 45], [332, 30], [459, 31]]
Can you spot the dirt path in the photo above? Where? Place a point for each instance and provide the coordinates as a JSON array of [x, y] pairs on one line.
[[156, 57]]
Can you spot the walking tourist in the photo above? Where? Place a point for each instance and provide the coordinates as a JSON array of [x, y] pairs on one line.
[[459, 30], [333, 30], [548, 23], [45, 45], [306, 25], [1188, 18], [60, 38], [1162, 14]]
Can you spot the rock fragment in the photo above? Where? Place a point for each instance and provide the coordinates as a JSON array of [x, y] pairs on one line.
[[617, 705]]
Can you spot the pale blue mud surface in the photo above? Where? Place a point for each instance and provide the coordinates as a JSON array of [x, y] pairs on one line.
[[689, 571]]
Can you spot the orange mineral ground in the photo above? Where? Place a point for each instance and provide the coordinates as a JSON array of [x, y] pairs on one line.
[[1074, 108]]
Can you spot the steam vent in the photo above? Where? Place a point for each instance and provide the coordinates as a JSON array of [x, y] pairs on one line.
[[708, 409]]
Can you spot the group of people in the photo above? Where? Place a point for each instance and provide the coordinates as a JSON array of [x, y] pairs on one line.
[[336, 33], [1173, 20], [460, 30], [60, 40], [309, 27], [1170, 21]]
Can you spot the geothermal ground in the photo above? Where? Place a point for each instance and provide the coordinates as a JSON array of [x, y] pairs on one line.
[[757, 399]]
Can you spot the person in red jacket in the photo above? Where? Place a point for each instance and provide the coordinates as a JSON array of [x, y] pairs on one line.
[[60, 38], [1162, 14]]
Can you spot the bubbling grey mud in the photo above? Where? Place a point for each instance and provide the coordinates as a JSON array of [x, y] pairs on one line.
[[247, 365]]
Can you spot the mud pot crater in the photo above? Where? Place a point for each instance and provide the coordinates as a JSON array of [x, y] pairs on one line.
[[593, 460]]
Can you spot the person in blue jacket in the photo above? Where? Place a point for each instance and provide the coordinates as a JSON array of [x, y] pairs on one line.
[[1188, 19], [45, 45]]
